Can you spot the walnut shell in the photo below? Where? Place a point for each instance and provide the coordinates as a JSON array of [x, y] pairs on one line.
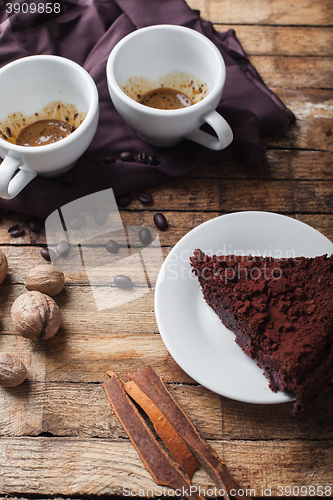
[[45, 279], [3, 266], [12, 371], [36, 316]]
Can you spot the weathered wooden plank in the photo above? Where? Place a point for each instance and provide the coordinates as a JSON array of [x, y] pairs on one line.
[[319, 195], [86, 358], [35, 408], [295, 72], [283, 40], [80, 314], [99, 466], [323, 223], [313, 127], [50, 408], [21, 259], [276, 196], [271, 12], [234, 195], [275, 421], [279, 165]]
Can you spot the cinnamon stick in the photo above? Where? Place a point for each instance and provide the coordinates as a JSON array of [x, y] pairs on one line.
[[163, 470], [176, 446], [151, 384]]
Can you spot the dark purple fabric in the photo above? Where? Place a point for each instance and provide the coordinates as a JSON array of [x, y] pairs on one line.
[[86, 33]]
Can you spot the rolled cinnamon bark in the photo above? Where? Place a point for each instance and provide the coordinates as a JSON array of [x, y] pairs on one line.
[[163, 470], [152, 385], [176, 446]]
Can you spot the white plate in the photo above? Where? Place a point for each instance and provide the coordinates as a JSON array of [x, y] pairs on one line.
[[192, 333]]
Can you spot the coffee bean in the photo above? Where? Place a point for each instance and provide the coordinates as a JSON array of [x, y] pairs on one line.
[[124, 282], [112, 246], [126, 156], [16, 231], [142, 158], [77, 222], [34, 224], [62, 248], [161, 222], [48, 254], [145, 198], [101, 216], [67, 179], [151, 160], [108, 160], [145, 236], [124, 200]]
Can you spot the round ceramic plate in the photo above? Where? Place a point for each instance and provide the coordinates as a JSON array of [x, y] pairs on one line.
[[192, 333]]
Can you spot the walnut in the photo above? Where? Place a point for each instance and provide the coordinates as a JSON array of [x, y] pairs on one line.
[[45, 279], [36, 316], [3, 266], [12, 370]]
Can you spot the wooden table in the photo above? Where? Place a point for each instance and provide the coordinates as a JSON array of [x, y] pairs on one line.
[[58, 433]]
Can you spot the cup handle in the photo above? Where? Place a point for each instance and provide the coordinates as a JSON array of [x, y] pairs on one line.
[[11, 186], [222, 130]]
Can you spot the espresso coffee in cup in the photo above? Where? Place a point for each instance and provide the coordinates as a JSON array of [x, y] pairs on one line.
[[171, 91], [54, 122], [147, 62], [35, 89]]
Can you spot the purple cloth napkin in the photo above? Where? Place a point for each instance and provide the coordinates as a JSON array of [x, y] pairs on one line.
[[86, 32]]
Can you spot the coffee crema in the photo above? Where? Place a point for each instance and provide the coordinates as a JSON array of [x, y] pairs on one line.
[[165, 98], [43, 132], [176, 87], [54, 122]]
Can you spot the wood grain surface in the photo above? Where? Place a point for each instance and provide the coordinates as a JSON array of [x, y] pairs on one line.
[[58, 435]]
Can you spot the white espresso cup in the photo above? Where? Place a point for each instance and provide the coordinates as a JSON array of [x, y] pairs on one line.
[[159, 50], [27, 86]]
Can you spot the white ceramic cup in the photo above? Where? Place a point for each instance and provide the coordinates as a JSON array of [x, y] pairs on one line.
[[158, 50], [28, 85]]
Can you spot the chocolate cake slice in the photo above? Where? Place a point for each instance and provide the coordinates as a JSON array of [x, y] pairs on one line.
[[281, 311]]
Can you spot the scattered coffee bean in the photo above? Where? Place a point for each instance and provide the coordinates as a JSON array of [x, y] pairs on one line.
[[16, 231], [112, 246], [77, 222], [101, 216], [161, 222], [145, 236], [108, 160], [48, 254], [67, 179], [34, 224], [151, 160], [124, 282], [62, 248], [145, 198], [124, 200], [142, 158], [126, 156]]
